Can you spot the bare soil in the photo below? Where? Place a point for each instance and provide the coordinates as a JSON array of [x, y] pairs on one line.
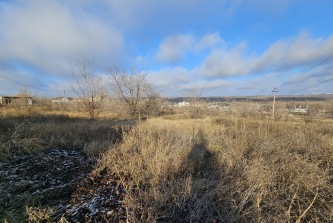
[[42, 180]]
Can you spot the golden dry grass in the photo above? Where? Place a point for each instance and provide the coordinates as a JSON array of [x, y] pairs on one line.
[[30, 131], [227, 169]]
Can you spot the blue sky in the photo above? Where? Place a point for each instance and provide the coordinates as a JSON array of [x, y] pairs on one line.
[[227, 47]]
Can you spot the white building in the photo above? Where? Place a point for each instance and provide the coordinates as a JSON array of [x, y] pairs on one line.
[[183, 104], [61, 100]]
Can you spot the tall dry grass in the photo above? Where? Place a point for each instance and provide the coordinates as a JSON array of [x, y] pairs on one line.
[[30, 131], [239, 167], [226, 169]]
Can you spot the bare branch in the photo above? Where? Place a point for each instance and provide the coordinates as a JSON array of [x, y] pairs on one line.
[[88, 87]]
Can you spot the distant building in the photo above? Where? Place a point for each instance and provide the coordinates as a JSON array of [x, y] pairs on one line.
[[182, 104], [61, 100], [214, 107], [5, 100], [100, 98], [300, 111], [79, 100]]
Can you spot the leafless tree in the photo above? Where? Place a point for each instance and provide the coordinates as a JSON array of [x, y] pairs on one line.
[[86, 82], [193, 96], [25, 96], [134, 89], [153, 102]]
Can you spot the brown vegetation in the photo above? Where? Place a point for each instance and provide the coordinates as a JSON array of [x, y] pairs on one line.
[[29, 131], [241, 166], [224, 169]]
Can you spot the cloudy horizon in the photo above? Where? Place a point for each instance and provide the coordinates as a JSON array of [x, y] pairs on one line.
[[228, 48]]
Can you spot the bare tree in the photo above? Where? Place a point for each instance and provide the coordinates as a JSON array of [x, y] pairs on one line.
[[25, 96], [153, 102], [193, 96], [86, 82], [133, 88]]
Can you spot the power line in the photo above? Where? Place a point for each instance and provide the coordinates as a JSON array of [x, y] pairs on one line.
[[3, 76], [313, 85], [24, 84], [311, 68], [315, 74]]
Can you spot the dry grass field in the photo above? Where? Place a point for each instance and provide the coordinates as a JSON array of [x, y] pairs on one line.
[[223, 167], [226, 169]]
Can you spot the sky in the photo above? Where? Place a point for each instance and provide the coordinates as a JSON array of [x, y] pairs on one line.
[[226, 47]]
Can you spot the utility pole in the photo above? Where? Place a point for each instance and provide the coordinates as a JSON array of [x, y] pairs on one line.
[[63, 103], [307, 101], [274, 101]]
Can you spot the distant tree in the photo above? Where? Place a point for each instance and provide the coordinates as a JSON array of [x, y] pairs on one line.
[[193, 96], [86, 81], [133, 89], [25, 96], [153, 102]]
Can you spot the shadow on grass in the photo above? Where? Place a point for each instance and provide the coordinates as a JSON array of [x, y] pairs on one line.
[[201, 179]]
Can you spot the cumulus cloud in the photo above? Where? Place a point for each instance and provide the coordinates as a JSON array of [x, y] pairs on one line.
[[208, 41], [174, 81], [225, 63], [283, 55], [170, 80], [297, 51], [49, 36], [278, 60], [174, 48]]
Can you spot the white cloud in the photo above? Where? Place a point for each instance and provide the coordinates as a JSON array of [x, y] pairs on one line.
[[298, 51], [283, 55], [208, 86], [175, 81], [52, 35], [49, 36], [225, 63], [208, 41], [167, 77], [174, 48]]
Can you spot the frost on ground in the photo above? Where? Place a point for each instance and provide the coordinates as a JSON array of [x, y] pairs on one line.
[[44, 180], [62, 181]]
